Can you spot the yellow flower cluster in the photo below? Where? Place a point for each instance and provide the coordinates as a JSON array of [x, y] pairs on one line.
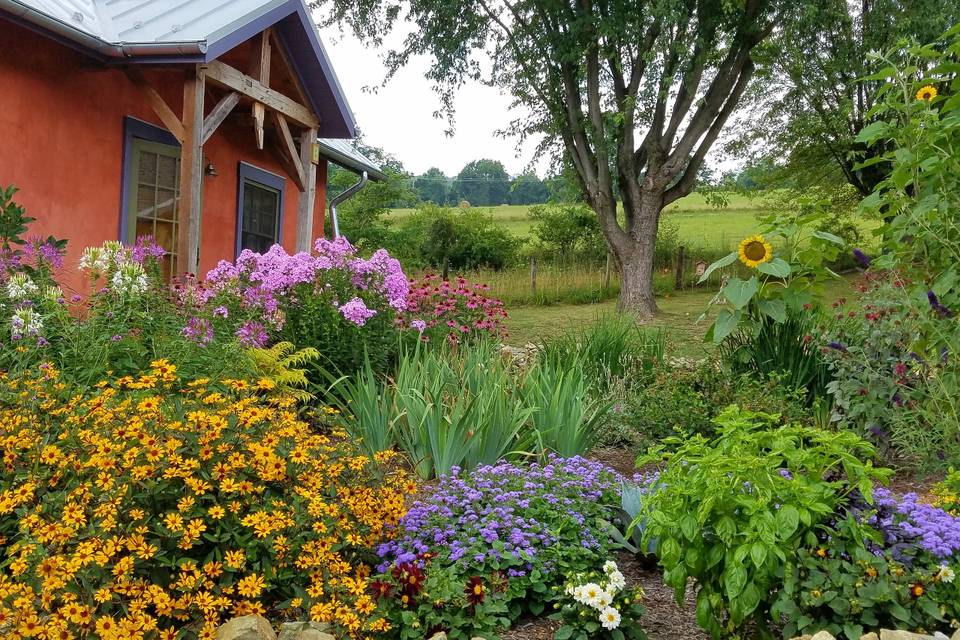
[[156, 508]]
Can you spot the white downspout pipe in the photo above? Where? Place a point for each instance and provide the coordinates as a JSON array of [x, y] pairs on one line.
[[342, 197]]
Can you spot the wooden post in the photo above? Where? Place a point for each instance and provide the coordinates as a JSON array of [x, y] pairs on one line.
[[191, 172], [533, 276], [308, 196], [678, 282]]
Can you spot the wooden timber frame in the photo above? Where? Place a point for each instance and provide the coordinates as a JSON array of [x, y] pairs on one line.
[[194, 128]]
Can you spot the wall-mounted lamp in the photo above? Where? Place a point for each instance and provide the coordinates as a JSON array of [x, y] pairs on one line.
[[210, 170]]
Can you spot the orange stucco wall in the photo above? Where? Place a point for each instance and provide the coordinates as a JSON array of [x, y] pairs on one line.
[[61, 144]]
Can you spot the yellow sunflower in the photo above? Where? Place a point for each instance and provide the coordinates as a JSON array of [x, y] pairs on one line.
[[927, 93], [755, 251]]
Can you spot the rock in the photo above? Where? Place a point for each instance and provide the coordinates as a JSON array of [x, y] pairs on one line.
[[890, 634], [246, 628], [823, 635], [305, 631], [804, 637], [870, 636], [956, 635], [440, 635]]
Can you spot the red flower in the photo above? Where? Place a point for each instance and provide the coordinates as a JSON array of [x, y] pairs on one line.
[[380, 589], [410, 578], [474, 590]]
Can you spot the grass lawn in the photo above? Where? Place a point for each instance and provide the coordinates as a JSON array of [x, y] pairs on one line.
[[677, 317]]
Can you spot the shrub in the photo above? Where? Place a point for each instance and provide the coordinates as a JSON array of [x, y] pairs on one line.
[[158, 504], [519, 531], [685, 401], [130, 318], [897, 572], [453, 312], [731, 511], [332, 300], [605, 593], [459, 239], [614, 348]]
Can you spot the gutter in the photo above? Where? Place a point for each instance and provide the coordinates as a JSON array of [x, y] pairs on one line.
[[60, 29], [349, 163], [343, 197]]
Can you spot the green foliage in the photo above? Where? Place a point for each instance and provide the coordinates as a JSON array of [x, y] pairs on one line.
[[371, 414], [614, 348], [456, 238], [567, 233], [433, 187], [564, 416], [842, 587], [619, 618], [685, 401], [285, 366], [729, 512], [787, 281], [362, 217], [482, 183]]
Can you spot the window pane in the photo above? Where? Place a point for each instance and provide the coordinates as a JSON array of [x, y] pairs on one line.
[[260, 216], [148, 168], [166, 171]]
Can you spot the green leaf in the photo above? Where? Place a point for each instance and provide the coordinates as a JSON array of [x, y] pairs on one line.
[[758, 553], [739, 292], [778, 268], [689, 526], [776, 310], [735, 578], [853, 631], [563, 633], [874, 131], [829, 237], [725, 261], [787, 520], [725, 324]]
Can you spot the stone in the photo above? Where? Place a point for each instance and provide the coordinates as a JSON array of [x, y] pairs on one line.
[[305, 631], [956, 635], [440, 635], [251, 627], [823, 635], [803, 637], [870, 636], [890, 634]]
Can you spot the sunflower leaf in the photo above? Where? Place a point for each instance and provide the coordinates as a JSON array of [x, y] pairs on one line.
[[778, 268], [726, 322], [739, 292], [725, 261]]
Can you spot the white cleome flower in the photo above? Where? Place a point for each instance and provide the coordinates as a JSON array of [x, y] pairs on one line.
[[610, 618], [129, 278], [25, 322], [20, 286]]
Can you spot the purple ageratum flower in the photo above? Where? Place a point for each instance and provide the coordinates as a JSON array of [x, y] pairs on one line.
[[862, 259], [908, 524], [252, 334], [356, 311]]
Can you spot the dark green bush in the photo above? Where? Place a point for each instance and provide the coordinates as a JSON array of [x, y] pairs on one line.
[[685, 401]]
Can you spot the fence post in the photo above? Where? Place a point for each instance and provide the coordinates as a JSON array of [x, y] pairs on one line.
[[533, 275], [678, 284], [606, 273], [446, 268]]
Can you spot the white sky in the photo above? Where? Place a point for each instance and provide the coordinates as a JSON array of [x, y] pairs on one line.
[[399, 117]]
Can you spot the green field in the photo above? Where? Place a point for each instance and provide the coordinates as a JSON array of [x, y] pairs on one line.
[[699, 222]]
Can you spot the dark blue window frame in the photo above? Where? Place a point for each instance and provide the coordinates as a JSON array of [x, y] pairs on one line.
[[249, 173], [134, 128]]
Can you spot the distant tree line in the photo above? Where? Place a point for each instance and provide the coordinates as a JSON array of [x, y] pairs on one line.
[[486, 183]]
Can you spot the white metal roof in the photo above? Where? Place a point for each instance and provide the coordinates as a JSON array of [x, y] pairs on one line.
[[342, 152]]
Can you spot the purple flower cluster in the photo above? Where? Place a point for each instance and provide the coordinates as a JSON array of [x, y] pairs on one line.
[[356, 311], [252, 334], [146, 247], [515, 516], [199, 330], [907, 523]]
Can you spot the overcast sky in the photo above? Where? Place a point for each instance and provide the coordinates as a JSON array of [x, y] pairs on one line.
[[399, 118]]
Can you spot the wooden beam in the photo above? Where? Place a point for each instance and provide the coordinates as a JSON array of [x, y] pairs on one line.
[[259, 113], [218, 115], [260, 61], [289, 154], [157, 103], [291, 70], [307, 199], [229, 77], [191, 171]]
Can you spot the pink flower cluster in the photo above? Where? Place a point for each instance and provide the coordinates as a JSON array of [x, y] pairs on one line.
[[455, 311], [264, 281]]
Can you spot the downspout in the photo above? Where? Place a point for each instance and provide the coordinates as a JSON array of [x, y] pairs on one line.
[[343, 197]]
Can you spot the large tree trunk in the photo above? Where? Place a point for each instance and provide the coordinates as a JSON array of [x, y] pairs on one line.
[[635, 258]]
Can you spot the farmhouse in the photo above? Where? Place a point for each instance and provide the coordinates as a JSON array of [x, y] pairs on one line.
[[207, 125]]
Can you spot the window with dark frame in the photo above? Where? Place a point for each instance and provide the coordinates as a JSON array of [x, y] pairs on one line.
[[260, 209]]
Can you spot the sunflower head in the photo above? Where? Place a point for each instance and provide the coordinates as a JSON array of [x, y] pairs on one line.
[[927, 93], [754, 251]]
